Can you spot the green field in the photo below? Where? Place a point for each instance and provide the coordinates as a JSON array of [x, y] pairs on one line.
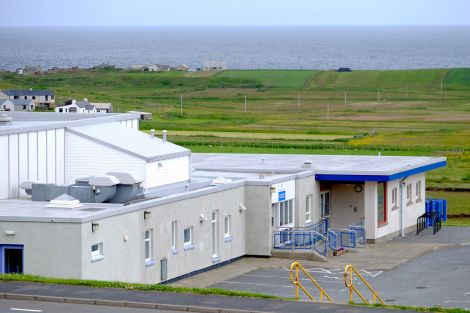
[[402, 112]]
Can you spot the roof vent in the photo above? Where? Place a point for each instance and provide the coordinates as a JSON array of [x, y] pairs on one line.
[[164, 135], [307, 164], [5, 119], [152, 133], [64, 201]]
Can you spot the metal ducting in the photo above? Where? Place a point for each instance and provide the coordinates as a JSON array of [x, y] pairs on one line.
[[128, 188]]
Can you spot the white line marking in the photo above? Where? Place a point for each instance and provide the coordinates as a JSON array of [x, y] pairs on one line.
[[24, 310], [256, 284], [460, 301], [466, 294]]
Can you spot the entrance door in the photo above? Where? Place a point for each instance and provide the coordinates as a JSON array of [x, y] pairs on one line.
[[11, 259], [284, 220]]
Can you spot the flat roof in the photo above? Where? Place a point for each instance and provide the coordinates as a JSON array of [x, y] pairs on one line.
[[130, 141], [326, 167], [36, 121]]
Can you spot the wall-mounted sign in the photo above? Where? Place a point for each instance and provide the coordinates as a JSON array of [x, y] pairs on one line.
[[281, 195]]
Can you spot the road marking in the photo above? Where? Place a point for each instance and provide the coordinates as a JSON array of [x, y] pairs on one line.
[[460, 301], [255, 284], [466, 294], [24, 310]]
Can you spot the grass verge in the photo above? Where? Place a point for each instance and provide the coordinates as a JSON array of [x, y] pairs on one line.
[[134, 286]]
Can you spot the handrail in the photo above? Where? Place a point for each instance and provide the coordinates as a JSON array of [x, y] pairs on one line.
[[348, 281], [295, 266]]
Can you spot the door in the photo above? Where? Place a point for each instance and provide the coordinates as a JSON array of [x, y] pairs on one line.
[[284, 220], [11, 259]]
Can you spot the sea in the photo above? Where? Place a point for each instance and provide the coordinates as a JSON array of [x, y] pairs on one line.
[[302, 47]]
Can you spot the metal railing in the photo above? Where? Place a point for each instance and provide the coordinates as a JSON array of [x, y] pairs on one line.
[[332, 240], [347, 238], [295, 268], [361, 239], [429, 219], [349, 270], [295, 239]]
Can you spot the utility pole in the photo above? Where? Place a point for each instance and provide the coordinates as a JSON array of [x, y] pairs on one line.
[[181, 105], [441, 85], [345, 98], [245, 103], [298, 101], [328, 112], [406, 91], [378, 95]]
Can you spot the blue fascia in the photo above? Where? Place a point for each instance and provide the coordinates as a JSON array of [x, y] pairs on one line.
[[378, 178]]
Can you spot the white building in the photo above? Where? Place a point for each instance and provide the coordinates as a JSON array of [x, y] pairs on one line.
[[82, 106], [17, 105], [192, 211], [214, 66]]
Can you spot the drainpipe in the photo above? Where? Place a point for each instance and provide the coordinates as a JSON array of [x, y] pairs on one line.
[[402, 183]]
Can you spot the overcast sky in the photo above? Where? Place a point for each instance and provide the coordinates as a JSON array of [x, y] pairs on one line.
[[233, 12]]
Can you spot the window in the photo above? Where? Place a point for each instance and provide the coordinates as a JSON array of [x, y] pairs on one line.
[[381, 203], [409, 192], [394, 197], [215, 230], [188, 238], [418, 190], [308, 209], [97, 252], [286, 213], [34, 97], [148, 247], [174, 232], [228, 226], [325, 203]]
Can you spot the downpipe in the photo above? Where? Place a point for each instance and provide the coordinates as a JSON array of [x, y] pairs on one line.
[[402, 229]]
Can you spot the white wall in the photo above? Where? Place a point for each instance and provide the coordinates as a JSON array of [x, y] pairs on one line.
[[134, 123], [347, 205], [84, 157], [164, 172], [37, 156], [288, 187]]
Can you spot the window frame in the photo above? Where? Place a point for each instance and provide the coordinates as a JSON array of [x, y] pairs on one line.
[[384, 221], [418, 190], [188, 245], [174, 235], [409, 193], [215, 233], [148, 241], [228, 228], [97, 255], [308, 208]]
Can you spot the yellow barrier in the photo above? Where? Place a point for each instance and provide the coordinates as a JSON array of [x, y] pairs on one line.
[[349, 270], [295, 267]]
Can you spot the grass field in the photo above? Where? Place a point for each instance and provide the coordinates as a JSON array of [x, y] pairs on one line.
[[363, 112]]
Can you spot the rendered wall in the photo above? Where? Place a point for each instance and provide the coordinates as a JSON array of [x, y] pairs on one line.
[[50, 249], [347, 205], [258, 220]]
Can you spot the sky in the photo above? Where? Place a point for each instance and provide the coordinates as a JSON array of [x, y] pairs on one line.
[[233, 12]]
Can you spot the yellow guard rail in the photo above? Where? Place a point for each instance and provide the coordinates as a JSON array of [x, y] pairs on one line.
[[295, 268], [349, 270]]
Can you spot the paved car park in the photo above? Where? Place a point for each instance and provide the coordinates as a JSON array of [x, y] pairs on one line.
[[438, 278]]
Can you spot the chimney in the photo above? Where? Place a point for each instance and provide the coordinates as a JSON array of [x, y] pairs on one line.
[[74, 101], [152, 133], [85, 99], [164, 135]]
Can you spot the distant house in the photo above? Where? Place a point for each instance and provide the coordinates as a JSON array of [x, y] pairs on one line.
[[344, 69], [214, 66], [182, 67], [163, 67], [17, 105], [75, 106], [151, 68], [41, 98], [103, 107], [19, 71]]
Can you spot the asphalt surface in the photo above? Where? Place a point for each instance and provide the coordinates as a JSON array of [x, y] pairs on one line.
[[438, 278], [180, 299], [20, 306]]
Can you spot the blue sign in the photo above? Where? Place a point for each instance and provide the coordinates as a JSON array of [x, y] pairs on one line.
[[281, 195]]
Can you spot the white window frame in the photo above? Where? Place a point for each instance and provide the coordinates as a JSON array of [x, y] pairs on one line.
[[308, 208], [409, 193], [394, 197], [148, 242], [286, 213], [227, 227], [174, 235], [323, 203], [188, 245], [97, 254], [418, 190], [215, 234]]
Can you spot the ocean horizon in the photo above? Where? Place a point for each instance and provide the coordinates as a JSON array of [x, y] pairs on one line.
[[241, 47]]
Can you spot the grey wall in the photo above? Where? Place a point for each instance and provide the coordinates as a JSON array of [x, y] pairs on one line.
[[344, 199], [304, 187], [258, 220], [50, 249]]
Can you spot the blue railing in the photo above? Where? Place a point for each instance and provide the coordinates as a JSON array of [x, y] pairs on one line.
[[291, 239], [332, 240], [360, 234]]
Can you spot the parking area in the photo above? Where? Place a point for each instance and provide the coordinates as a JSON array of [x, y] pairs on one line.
[[440, 277]]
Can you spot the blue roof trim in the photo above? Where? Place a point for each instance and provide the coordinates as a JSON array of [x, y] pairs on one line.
[[379, 178]]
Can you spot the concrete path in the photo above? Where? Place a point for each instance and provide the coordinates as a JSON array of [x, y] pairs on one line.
[[164, 301], [383, 256]]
